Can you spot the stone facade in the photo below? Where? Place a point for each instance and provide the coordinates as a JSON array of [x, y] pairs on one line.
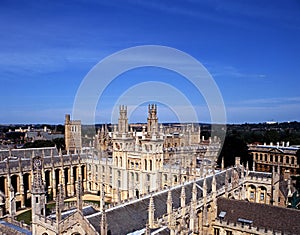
[[265, 157]]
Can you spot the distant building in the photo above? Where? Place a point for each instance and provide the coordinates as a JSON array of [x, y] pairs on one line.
[[266, 157]]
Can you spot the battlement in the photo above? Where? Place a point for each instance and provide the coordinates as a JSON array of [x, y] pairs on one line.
[[243, 227]]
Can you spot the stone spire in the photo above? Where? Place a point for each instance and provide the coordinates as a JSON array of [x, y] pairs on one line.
[[193, 213], [38, 198], [194, 192], [79, 194], [59, 204], [226, 183], [204, 214], [214, 184], [151, 210], [182, 197], [169, 206], [101, 204], [103, 223], [222, 164]]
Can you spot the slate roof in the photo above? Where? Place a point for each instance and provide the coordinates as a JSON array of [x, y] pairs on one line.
[[260, 174], [263, 216], [27, 153], [86, 211], [133, 216], [15, 228]]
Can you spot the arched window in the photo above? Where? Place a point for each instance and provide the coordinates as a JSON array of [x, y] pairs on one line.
[[292, 160], [132, 176], [150, 165], [175, 178], [287, 159], [145, 164], [262, 195]]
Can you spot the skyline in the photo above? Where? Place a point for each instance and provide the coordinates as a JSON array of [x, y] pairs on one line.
[[251, 49]]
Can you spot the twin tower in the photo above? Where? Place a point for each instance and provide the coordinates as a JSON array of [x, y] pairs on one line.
[[152, 120]]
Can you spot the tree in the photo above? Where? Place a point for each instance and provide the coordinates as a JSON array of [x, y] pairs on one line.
[[234, 146], [39, 144], [60, 143]]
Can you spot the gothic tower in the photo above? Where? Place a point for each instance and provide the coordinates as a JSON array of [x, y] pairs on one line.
[[152, 125], [72, 134]]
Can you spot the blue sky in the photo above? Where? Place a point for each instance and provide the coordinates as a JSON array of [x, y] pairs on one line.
[[251, 48]]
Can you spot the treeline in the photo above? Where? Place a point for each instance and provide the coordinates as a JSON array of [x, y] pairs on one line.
[[58, 142], [239, 136]]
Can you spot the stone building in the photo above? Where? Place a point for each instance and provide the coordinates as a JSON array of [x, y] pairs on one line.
[[265, 157], [144, 185]]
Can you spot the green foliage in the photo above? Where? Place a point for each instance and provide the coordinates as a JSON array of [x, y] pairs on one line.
[[234, 146], [60, 128], [60, 143], [266, 133], [39, 144]]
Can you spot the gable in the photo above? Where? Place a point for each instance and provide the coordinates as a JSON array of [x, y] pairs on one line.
[[275, 151], [76, 223]]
